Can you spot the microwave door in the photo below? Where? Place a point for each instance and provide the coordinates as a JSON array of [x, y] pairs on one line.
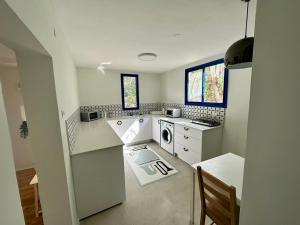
[[93, 116], [169, 113]]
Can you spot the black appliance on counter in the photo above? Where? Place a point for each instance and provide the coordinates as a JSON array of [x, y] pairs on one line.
[[90, 116], [206, 122]]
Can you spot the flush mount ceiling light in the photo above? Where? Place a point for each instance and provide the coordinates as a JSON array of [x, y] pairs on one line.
[[101, 67], [239, 54], [147, 56]]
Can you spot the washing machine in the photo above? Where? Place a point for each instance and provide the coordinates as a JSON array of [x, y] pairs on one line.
[[167, 136]]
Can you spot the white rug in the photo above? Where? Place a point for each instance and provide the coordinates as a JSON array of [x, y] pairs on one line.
[[147, 165]]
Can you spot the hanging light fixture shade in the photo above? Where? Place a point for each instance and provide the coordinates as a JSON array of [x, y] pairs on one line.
[[239, 54]]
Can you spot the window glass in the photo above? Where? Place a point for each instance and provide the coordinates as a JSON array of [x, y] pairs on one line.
[[195, 85], [206, 85], [130, 91], [214, 83]]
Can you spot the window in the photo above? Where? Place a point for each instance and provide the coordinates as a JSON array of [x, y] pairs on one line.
[[206, 85], [130, 91]]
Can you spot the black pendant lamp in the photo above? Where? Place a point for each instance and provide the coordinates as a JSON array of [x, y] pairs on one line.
[[239, 54]]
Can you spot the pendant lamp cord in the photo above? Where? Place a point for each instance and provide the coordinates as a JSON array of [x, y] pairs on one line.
[[247, 19]]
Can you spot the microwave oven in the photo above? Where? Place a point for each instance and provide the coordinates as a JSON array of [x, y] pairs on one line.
[[89, 116], [173, 112]]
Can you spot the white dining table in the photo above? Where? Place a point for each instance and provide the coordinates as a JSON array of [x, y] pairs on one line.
[[228, 168]]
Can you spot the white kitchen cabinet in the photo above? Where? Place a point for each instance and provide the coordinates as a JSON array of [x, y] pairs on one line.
[[99, 180], [156, 129], [195, 145], [144, 131], [189, 141], [187, 154], [121, 126], [133, 130]]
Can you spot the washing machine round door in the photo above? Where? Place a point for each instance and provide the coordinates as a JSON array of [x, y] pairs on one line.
[[166, 135]]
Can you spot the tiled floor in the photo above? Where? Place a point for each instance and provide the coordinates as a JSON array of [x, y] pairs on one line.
[[165, 202]]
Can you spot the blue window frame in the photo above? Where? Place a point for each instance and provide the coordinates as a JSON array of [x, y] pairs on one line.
[[207, 84], [130, 91]]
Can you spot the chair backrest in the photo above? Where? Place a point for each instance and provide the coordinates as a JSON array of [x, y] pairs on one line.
[[218, 200]]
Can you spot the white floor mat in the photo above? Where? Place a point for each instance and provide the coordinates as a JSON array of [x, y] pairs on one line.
[[147, 165]]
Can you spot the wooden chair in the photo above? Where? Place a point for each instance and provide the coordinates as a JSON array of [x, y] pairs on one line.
[[218, 200]]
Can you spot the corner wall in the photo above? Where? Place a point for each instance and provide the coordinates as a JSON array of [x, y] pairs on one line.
[[236, 119]]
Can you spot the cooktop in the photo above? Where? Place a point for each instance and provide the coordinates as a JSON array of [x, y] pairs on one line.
[[206, 122]]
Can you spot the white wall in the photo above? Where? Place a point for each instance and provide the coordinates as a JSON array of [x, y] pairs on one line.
[[236, 121], [43, 25], [96, 88], [10, 78], [272, 167], [236, 118], [10, 204]]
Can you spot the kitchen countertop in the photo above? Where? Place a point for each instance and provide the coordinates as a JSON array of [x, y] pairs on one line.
[[95, 135], [99, 134], [130, 117], [195, 126], [180, 121], [187, 123]]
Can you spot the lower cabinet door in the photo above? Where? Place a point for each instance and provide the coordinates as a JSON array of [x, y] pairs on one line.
[[144, 131], [187, 154], [125, 129], [189, 141], [133, 130], [156, 129]]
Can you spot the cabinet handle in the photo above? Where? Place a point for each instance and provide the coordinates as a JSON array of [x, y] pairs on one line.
[[141, 120], [185, 149], [186, 137], [119, 122], [186, 128]]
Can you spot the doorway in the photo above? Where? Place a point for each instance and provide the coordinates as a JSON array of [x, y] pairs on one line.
[[20, 139]]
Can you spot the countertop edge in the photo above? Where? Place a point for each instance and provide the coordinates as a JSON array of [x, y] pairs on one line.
[[92, 150]]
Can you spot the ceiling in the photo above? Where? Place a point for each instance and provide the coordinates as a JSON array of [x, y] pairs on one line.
[[178, 31], [7, 56]]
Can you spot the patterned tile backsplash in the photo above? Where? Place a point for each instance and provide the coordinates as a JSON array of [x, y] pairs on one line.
[[190, 112], [197, 112], [115, 110], [72, 126]]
